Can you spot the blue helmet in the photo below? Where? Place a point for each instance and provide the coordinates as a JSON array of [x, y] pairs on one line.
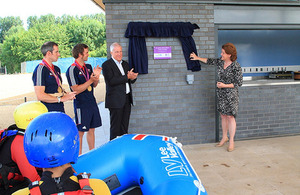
[[51, 140]]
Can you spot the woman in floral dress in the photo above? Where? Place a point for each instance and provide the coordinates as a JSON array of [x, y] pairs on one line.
[[229, 78]]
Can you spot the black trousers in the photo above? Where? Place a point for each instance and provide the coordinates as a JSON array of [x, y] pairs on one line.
[[119, 119]]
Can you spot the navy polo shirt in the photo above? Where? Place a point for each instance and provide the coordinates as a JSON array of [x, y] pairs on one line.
[[75, 77], [42, 76]]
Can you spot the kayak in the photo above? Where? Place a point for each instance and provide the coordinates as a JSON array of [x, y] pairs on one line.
[[155, 164]]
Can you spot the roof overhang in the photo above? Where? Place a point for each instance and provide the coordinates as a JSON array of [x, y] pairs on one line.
[[100, 3], [216, 2]]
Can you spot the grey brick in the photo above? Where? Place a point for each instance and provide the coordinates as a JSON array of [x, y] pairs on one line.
[[166, 104]]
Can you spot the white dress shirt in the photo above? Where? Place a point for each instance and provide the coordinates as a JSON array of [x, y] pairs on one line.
[[119, 64]]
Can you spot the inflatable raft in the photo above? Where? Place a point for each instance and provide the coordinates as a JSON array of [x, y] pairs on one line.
[[157, 164]]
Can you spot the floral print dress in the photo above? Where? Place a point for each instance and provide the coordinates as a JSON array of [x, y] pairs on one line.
[[228, 98]]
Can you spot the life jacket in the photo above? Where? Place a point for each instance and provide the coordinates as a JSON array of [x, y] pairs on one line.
[[83, 180], [6, 133], [10, 168]]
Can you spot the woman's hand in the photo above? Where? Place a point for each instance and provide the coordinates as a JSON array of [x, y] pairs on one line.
[[223, 85], [193, 56], [220, 85]]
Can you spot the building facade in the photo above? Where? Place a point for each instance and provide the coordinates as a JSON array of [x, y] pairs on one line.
[[166, 104]]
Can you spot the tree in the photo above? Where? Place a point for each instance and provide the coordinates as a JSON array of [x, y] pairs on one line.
[[11, 55], [24, 45], [41, 33], [89, 31], [31, 21], [65, 19], [99, 17], [6, 23], [34, 20], [21, 45]]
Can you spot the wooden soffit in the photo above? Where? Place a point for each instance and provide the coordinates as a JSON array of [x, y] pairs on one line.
[[100, 3]]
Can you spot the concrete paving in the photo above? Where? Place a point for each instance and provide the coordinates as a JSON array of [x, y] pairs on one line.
[[259, 167], [15, 84], [256, 167], [101, 133], [262, 166]]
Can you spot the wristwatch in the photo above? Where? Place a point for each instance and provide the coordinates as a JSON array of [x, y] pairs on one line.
[[58, 98]]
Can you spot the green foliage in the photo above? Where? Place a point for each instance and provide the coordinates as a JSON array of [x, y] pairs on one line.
[[21, 45], [45, 19], [65, 19], [6, 23], [90, 32], [41, 33], [11, 56]]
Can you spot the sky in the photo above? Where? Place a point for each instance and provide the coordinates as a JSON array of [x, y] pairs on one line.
[[26, 8]]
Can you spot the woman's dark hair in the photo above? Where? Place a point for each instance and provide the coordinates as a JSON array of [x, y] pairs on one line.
[[78, 49], [231, 50]]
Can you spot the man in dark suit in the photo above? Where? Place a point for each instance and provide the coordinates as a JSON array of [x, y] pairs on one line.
[[118, 99]]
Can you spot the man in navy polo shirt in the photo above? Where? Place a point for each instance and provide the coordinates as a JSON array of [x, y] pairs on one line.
[[82, 78], [47, 80]]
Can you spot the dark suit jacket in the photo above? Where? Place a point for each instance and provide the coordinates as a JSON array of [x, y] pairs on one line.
[[116, 84]]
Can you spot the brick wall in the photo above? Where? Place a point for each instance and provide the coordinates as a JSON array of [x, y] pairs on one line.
[[164, 103], [269, 110]]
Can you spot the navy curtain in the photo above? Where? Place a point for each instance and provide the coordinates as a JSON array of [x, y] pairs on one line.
[[137, 51]]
